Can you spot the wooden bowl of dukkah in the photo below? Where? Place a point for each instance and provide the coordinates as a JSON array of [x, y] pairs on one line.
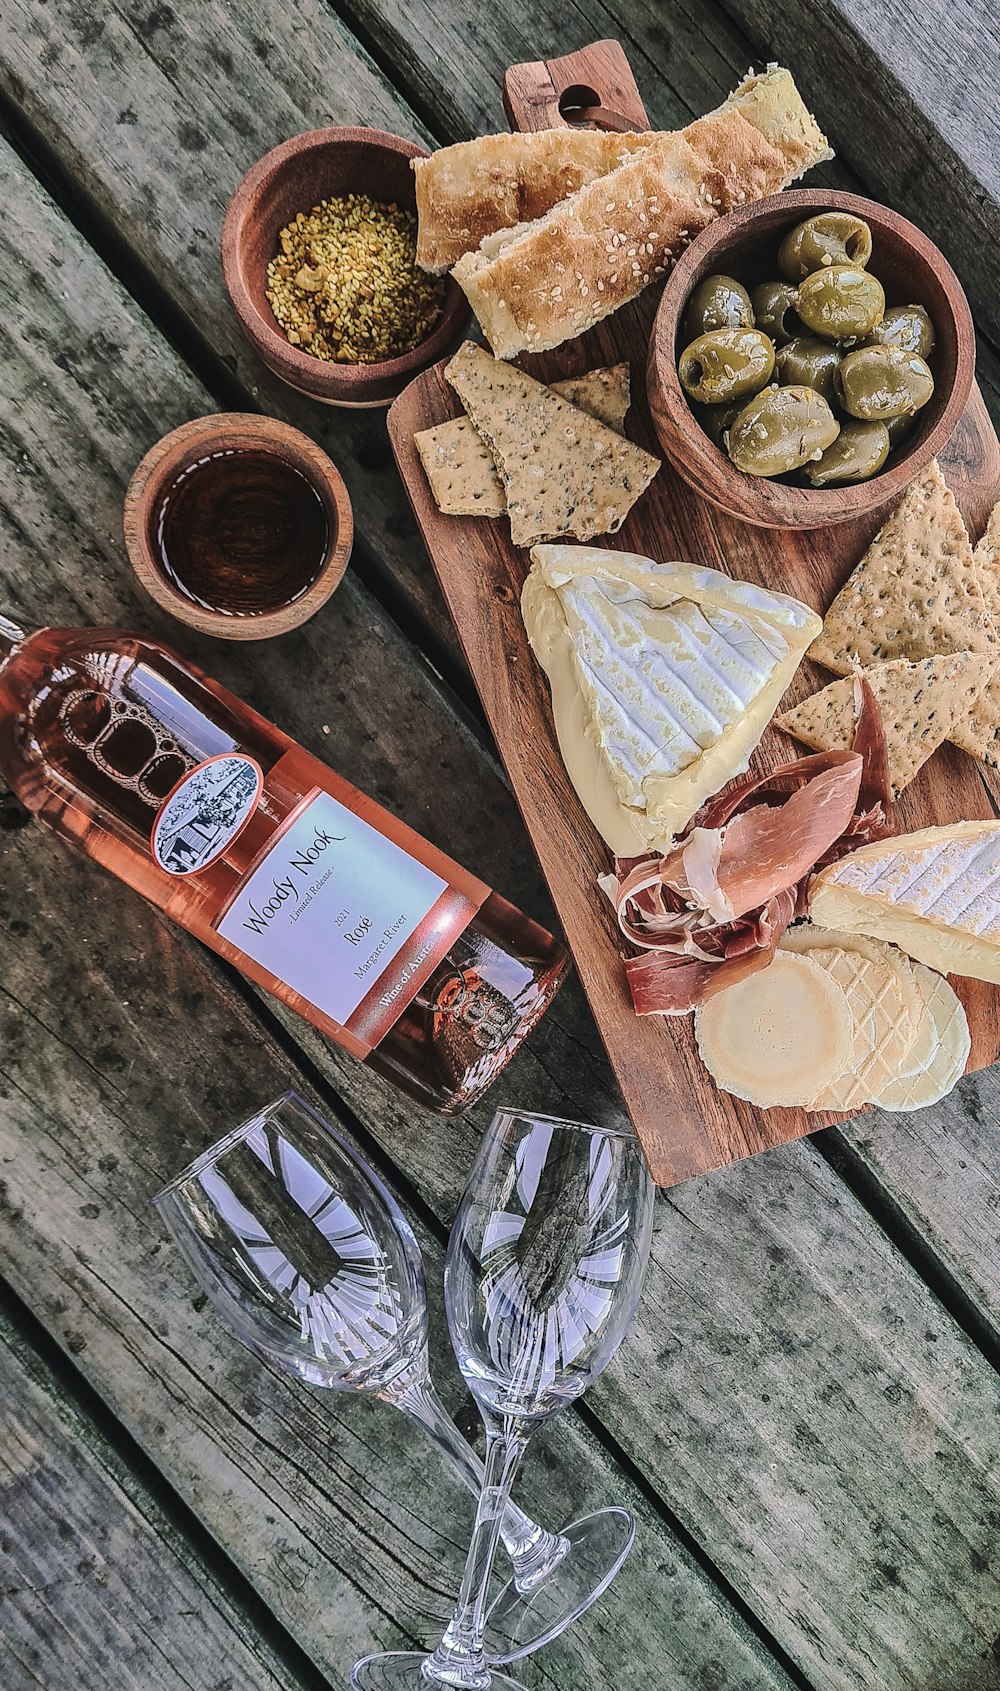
[[293, 178], [744, 245]]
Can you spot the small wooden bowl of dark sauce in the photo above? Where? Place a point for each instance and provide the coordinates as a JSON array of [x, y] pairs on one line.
[[238, 525]]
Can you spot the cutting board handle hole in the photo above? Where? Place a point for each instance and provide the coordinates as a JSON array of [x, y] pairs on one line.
[[573, 102]]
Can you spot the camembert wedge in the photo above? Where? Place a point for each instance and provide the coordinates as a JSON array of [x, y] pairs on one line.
[[663, 679], [935, 894]]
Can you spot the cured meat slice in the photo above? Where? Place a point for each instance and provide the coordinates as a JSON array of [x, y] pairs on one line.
[[739, 875]]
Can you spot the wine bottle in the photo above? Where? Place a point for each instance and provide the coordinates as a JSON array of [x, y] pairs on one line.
[[253, 845]]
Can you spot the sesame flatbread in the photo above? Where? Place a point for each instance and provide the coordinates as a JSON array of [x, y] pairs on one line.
[[564, 473], [459, 465], [916, 592], [920, 705]]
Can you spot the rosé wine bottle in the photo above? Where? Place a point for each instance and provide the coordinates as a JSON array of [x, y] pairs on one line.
[[314, 891]]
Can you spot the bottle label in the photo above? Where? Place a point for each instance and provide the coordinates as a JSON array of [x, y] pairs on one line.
[[205, 812], [344, 917]]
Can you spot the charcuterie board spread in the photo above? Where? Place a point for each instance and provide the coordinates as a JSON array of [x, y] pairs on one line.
[[763, 955]]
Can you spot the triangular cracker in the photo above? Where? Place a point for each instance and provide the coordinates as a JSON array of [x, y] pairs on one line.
[[915, 592], [979, 732], [563, 472], [920, 705], [459, 465]]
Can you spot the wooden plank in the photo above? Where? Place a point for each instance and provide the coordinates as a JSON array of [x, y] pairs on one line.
[[556, 1069], [940, 1167], [123, 1052], [154, 113], [687, 64], [911, 84], [942, 1173], [99, 1588], [684, 64], [793, 1393]]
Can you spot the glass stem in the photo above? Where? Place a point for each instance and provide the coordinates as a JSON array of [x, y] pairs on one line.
[[533, 1551], [460, 1659]]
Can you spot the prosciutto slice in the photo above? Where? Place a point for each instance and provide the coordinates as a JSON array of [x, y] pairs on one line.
[[711, 912]]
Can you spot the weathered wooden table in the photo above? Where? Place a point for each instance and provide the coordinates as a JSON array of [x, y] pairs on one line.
[[806, 1418]]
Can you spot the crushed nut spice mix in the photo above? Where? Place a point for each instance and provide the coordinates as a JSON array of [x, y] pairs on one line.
[[344, 283]]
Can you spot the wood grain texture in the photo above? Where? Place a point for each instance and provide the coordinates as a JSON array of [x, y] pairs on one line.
[[596, 80], [336, 1512], [155, 113], [941, 1168], [98, 1588], [907, 95], [82, 1063], [329, 1508], [790, 1389], [891, 84], [686, 1124]]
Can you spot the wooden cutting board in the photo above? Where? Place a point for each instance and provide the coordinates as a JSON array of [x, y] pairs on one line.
[[687, 1126]]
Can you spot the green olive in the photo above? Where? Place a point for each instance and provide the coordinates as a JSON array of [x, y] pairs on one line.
[[774, 310], [725, 364], [908, 326], [718, 302], [841, 302], [832, 237], [858, 453], [808, 362], [875, 383], [780, 430], [716, 421], [899, 427]]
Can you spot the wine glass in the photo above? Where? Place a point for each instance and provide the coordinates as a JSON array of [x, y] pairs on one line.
[[309, 1260], [545, 1267]]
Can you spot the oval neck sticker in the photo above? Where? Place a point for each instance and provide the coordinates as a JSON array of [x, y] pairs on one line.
[[204, 813]]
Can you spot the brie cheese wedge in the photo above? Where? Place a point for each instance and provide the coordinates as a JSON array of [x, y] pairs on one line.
[[935, 894], [663, 679]]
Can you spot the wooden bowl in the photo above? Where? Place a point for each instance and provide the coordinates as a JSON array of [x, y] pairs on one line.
[[293, 178], [744, 244], [228, 432]]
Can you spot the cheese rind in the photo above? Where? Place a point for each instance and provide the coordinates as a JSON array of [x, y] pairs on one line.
[[935, 894], [663, 678]]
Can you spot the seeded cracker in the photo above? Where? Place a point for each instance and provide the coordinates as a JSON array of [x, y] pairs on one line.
[[563, 472], [459, 465], [920, 705], [979, 732], [916, 592]]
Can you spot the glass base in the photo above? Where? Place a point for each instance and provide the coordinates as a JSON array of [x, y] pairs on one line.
[[517, 1625], [403, 1670]]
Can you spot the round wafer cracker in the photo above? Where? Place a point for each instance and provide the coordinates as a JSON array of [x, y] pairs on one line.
[[883, 1030], [945, 1016], [809, 936], [778, 1035]]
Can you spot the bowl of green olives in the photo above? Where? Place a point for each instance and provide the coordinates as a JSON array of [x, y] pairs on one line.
[[810, 355]]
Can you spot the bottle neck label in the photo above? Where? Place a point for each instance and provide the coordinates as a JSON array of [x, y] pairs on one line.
[[344, 918]]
